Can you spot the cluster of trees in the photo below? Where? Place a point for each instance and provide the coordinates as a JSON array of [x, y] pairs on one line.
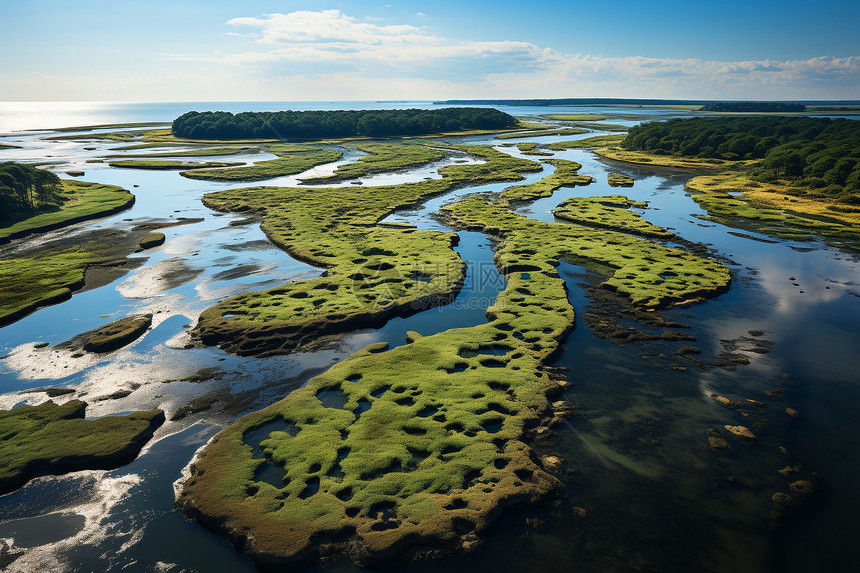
[[819, 154], [23, 188], [753, 106], [321, 124]]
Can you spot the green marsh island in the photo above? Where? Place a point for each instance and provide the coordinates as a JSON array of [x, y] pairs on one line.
[[377, 338]]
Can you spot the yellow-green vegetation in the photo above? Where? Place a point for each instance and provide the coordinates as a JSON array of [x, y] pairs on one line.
[[141, 139], [498, 166], [424, 445], [651, 275], [619, 180], [373, 272], [48, 275], [153, 239], [596, 141], [166, 164], [597, 126], [118, 136], [50, 440], [425, 448], [74, 201], [531, 149], [111, 336], [118, 333], [382, 158], [207, 151], [772, 208], [114, 126], [531, 125], [577, 116], [282, 166], [542, 133], [666, 160], [610, 212], [565, 175]]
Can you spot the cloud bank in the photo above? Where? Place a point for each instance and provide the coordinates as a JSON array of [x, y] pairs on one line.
[[318, 50]]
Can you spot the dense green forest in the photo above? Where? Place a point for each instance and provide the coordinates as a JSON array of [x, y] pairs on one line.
[[820, 154], [321, 124], [23, 188], [753, 106]]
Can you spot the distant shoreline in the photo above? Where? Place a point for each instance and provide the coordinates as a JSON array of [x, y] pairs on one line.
[[624, 101]]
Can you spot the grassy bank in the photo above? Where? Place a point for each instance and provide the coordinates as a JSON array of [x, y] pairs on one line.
[[588, 142], [382, 158], [566, 174], [394, 451], [76, 201], [283, 166], [608, 212], [542, 133], [51, 272], [51, 440], [372, 272], [169, 165]]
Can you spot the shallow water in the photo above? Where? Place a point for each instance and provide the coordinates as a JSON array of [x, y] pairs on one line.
[[654, 496]]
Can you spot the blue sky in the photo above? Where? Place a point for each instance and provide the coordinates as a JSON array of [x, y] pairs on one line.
[[261, 50]]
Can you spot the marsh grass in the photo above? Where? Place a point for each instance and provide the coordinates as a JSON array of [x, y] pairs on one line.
[[75, 201], [168, 165], [427, 441], [566, 174], [368, 266], [588, 142], [542, 133], [733, 199], [382, 158], [608, 212], [51, 439], [288, 164]]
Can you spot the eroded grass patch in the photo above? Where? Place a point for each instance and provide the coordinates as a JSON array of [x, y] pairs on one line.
[[50, 440], [169, 165], [565, 175], [382, 158], [289, 164], [76, 201], [651, 275], [370, 268], [542, 133], [609, 212], [588, 142], [423, 445]]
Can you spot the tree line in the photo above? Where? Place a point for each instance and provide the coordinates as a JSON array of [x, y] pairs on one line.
[[753, 106], [323, 124], [24, 188], [820, 154]]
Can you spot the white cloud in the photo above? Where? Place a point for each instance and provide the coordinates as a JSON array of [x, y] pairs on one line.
[[321, 43], [325, 55]]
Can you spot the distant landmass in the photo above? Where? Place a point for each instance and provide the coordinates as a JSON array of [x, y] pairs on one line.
[[753, 106], [619, 101]]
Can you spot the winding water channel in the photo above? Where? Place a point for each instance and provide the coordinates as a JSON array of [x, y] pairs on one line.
[[642, 489]]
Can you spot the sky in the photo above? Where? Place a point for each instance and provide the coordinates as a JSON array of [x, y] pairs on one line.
[[217, 50]]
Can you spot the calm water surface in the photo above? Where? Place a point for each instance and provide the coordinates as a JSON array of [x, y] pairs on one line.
[[643, 491]]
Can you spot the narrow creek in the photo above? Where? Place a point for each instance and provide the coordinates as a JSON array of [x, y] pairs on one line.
[[641, 484]]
